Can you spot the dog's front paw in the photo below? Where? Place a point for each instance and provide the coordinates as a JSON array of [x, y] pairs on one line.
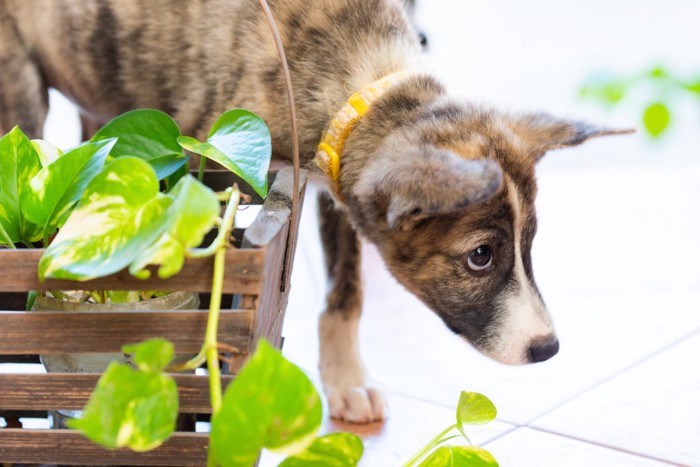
[[357, 404]]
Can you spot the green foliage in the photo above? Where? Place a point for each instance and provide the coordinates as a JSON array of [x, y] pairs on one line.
[[472, 409], [605, 90], [271, 404], [55, 189], [48, 153], [151, 356], [133, 408], [660, 87], [147, 134], [120, 214], [189, 217], [123, 212], [240, 141], [694, 87], [19, 163], [656, 119], [459, 456], [123, 220], [114, 216], [334, 450]]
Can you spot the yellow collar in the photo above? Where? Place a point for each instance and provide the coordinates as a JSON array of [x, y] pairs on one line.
[[333, 141]]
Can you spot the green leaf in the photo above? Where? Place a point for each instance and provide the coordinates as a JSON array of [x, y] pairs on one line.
[[123, 296], [191, 215], [48, 153], [19, 163], [270, 404], [59, 185], [694, 87], [659, 73], [120, 214], [604, 88], [240, 141], [474, 409], [147, 134], [166, 166], [130, 408], [151, 356], [334, 450], [657, 117], [459, 456], [172, 179], [5, 237]]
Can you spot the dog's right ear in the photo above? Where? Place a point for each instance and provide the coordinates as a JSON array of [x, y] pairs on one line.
[[426, 182], [542, 132]]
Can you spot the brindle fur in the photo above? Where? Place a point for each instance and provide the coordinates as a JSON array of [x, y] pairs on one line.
[[425, 177]]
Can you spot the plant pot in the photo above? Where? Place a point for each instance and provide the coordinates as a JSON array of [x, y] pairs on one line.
[[98, 362]]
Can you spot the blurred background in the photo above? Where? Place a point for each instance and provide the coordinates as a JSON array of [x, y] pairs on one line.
[[616, 257]]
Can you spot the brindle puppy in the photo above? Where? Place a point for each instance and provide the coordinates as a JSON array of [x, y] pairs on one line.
[[444, 188]]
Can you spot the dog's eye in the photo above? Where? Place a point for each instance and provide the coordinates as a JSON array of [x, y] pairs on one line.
[[480, 259]]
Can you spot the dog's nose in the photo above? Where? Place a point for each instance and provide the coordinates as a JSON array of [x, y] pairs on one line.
[[542, 349]]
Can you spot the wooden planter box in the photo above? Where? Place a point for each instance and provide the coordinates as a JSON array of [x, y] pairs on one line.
[[256, 281]]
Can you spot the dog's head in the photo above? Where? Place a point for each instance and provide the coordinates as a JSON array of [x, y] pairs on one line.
[[449, 201]]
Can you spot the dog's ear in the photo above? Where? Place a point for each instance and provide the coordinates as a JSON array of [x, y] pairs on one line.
[[428, 182], [542, 132]]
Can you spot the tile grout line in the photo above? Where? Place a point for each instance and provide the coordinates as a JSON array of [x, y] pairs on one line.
[[501, 435], [611, 377], [606, 446], [528, 423]]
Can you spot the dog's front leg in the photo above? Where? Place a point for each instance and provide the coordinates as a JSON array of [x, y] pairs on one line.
[[343, 375]]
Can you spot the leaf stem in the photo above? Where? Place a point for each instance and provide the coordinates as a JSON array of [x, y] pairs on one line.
[[57, 294], [210, 339], [31, 299], [5, 237], [191, 364], [217, 248], [440, 438]]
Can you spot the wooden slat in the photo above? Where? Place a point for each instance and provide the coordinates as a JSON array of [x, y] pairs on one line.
[[243, 274], [49, 332], [267, 317], [278, 230], [69, 447], [72, 391]]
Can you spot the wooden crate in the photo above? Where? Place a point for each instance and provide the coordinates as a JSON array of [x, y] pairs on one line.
[[257, 277]]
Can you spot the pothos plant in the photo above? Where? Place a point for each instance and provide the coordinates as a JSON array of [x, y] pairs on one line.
[[472, 409], [125, 199]]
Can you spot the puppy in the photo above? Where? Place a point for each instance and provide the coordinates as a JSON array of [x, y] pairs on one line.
[[445, 189]]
